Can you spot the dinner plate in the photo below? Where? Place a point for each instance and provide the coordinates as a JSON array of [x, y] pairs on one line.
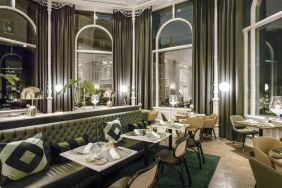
[[100, 161]]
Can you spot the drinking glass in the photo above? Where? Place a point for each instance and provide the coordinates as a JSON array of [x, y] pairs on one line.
[[275, 105], [173, 100], [94, 100]]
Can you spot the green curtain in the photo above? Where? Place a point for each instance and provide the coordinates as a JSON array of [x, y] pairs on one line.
[[231, 66], [40, 15], [203, 55], [122, 55], [143, 60], [62, 55]]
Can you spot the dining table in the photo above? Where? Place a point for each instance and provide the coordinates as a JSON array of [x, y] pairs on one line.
[[147, 137], [170, 127], [261, 126], [99, 160]]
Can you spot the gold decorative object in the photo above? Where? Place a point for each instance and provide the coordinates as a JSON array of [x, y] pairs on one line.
[[31, 93]]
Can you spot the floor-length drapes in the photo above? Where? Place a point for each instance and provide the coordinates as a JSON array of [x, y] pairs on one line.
[[122, 55], [62, 55], [143, 60], [41, 54], [203, 55], [231, 67]]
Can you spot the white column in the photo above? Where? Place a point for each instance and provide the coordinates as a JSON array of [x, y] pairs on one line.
[[215, 89], [49, 97], [133, 97]]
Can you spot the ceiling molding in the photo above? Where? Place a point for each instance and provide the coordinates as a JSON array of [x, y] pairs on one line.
[[107, 6]]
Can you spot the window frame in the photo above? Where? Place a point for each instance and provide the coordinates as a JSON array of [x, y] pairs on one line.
[[250, 57], [157, 50], [77, 51]]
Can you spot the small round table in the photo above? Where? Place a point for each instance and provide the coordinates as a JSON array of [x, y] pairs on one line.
[[276, 162]]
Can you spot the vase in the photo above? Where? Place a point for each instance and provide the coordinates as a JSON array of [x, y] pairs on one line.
[[109, 104]]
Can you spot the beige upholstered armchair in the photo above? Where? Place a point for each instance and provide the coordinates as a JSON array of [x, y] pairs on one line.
[[210, 122], [195, 123], [262, 146], [153, 116]]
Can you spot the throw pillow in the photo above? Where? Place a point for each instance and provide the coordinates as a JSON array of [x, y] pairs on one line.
[[22, 158], [112, 130], [138, 125], [70, 144]]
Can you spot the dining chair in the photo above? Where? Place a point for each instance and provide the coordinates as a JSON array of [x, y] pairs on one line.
[[194, 141], [153, 116], [241, 130], [195, 123], [265, 176], [175, 157], [262, 146], [143, 179], [210, 122]]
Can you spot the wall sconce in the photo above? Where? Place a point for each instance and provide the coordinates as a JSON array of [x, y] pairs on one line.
[[224, 87], [58, 87], [123, 89]]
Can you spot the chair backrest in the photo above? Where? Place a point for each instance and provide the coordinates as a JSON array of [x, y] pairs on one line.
[[180, 148], [195, 122], [234, 118], [153, 115], [265, 176], [210, 121], [144, 178], [262, 146], [197, 135]]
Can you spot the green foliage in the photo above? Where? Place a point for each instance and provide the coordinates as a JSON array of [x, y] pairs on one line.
[[88, 87], [11, 78]]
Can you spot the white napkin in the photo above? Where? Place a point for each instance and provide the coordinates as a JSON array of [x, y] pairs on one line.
[[156, 135], [114, 154], [90, 158], [136, 131], [179, 124], [87, 148]]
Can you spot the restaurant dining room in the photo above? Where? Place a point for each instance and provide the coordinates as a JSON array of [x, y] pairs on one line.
[[140, 93]]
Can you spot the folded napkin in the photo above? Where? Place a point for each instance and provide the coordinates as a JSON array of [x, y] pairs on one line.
[[114, 154], [87, 148], [179, 124], [156, 135], [136, 131]]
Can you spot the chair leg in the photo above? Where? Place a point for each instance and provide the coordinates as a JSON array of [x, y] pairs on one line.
[[181, 174], [244, 139], [201, 149], [214, 133], [162, 169], [233, 137], [187, 171], [199, 157]]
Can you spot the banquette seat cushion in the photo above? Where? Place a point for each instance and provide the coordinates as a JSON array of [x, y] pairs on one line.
[[69, 173]]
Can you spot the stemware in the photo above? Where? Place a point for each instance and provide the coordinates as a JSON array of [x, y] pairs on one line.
[[275, 105], [173, 100], [94, 100]]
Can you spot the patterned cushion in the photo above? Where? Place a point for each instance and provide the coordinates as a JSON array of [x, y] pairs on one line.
[[22, 158], [58, 148], [113, 130], [138, 125]]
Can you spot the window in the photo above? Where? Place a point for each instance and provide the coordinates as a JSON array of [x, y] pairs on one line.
[[94, 49], [17, 55], [172, 55], [263, 60]]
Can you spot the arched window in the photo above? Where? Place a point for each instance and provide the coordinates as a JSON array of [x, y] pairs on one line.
[[263, 62], [173, 56], [94, 54], [17, 54]]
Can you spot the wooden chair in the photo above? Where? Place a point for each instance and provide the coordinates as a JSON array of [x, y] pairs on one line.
[[194, 141], [175, 157], [142, 179]]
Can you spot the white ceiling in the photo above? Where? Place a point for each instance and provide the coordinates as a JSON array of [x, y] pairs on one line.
[[109, 5]]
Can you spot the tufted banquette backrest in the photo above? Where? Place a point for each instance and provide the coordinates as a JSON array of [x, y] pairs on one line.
[[61, 131]]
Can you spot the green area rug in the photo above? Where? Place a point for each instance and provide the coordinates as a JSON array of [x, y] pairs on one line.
[[170, 178]]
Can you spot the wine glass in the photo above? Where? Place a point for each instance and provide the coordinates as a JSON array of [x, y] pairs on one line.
[[173, 100], [275, 105], [94, 100]]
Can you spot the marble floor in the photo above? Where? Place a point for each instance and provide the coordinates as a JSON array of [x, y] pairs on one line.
[[233, 170]]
